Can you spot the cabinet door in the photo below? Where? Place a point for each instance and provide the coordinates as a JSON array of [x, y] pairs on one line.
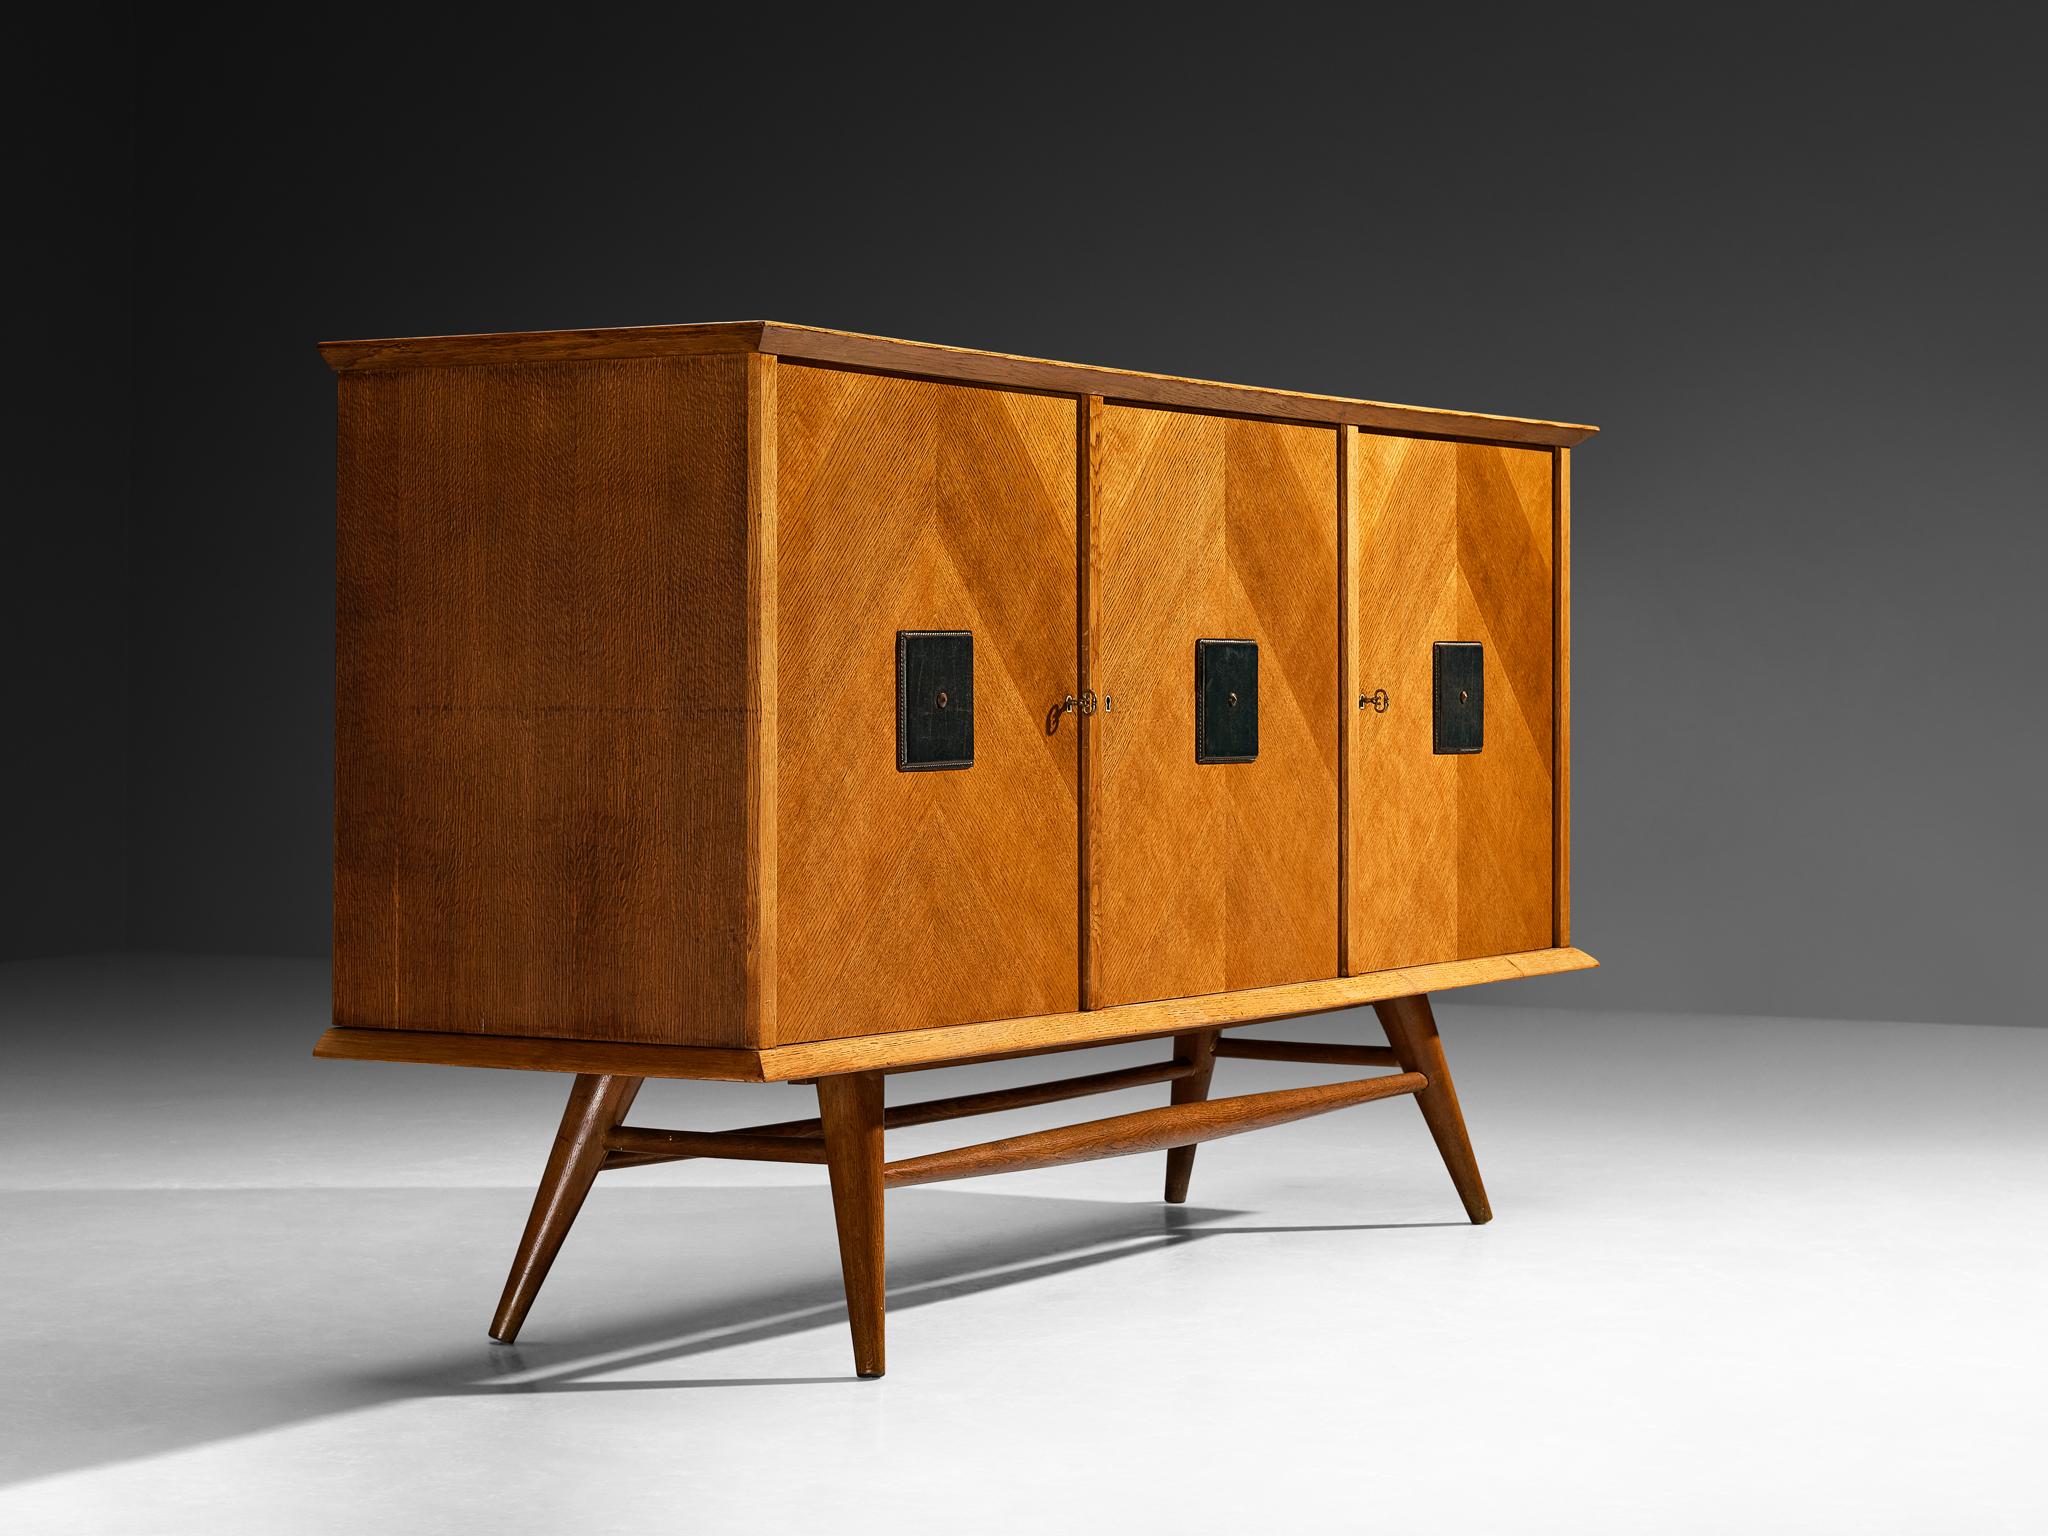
[[1208, 876], [1450, 852], [909, 899]]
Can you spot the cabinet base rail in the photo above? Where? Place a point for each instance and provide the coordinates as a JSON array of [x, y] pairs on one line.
[[846, 1136], [1148, 1130]]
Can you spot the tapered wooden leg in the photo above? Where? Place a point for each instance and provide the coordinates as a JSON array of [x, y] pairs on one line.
[[1411, 1031], [851, 1107], [1197, 1050], [596, 1104]]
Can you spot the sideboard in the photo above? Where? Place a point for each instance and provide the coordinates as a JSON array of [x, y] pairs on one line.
[[762, 703]]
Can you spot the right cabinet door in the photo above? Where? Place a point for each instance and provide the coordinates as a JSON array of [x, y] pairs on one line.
[[1450, 832]]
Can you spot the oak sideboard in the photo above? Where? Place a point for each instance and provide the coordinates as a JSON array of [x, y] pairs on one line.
[[765, 703]]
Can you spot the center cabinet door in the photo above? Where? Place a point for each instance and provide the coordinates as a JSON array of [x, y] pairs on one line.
[[1210, 876], [947, 895]]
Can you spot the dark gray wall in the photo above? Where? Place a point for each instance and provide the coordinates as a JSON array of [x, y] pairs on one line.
[[63, 542], [1796, 276]]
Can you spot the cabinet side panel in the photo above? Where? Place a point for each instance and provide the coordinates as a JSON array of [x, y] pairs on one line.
[[763, 699], [542, 701], [1561, 748], [1221, 875], [914, 899]]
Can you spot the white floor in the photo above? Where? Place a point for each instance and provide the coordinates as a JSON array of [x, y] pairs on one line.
[[1747, 1276]]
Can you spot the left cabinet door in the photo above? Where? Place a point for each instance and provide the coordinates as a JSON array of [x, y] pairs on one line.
[[908, 897]]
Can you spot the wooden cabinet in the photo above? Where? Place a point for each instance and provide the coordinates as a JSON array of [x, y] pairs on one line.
[[759, 702], [618, 676]]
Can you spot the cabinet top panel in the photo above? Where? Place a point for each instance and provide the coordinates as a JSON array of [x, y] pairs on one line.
[[806, 343]]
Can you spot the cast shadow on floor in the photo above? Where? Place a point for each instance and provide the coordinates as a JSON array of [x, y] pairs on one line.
[[1083, 1239], [185, 1321]]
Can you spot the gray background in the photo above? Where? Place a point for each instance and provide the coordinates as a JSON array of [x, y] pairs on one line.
[[1794, 275]]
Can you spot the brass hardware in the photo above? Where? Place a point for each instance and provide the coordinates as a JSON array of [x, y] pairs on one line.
[[1105, 703], [1086, 704], [1376, 701], [1232, 701], [942, 698]]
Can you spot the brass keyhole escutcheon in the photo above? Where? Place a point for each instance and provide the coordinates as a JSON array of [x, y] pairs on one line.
[[942, 698], [1464, 696], [1233, 701]]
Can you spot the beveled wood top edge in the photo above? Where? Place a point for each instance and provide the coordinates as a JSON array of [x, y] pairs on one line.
[[810, 343], [1137, 1021], [1000, 1037], [519, 1053], [405, 352]]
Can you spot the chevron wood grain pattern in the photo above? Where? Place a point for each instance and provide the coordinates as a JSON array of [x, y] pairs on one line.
[[543, 701], [913, 900], [1451, 857], [905, 1052], [1206, 877], [810, 343]]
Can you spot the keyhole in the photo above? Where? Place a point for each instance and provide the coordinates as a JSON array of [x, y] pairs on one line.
[[942, 698]]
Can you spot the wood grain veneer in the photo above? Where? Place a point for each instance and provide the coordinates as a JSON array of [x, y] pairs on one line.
[[1347, 698], [546, 689], [909, 900], [1561, 748], [1208, 876], [1450, 856], [897, 1051], [927, 360]]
